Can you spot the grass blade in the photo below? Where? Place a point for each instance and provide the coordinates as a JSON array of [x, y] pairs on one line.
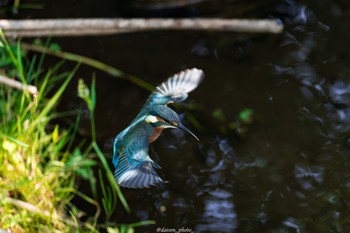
[[93, 63], [110, 176]]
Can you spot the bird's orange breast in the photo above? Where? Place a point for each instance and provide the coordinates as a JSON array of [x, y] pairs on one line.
[[157, 131]]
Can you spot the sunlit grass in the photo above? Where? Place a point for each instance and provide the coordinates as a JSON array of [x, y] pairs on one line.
[[38, 164], [35, 183]]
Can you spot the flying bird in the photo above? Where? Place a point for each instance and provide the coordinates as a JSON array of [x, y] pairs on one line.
[[133, 166]]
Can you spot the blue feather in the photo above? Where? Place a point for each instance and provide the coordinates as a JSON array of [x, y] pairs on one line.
[[177, 87]]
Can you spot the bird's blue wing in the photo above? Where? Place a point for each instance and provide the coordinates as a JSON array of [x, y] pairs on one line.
[[176, 88], [133, 166], [135, 170]]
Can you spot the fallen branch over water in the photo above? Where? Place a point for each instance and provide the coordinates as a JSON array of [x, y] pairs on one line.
[[18, 85], [84, 27]]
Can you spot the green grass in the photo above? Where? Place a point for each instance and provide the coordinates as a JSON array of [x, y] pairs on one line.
[[38, 165], [35, 182]]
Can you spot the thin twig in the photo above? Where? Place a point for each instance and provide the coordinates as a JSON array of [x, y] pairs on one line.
[[84, 27], [18, 85]]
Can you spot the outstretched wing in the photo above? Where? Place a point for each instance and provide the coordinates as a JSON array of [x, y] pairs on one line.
[[176, 88], [134, 173]]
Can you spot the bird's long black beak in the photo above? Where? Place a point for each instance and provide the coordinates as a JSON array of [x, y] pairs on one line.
[[181, 126]]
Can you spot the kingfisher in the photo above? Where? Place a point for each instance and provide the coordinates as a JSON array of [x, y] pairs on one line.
[[133, 166]]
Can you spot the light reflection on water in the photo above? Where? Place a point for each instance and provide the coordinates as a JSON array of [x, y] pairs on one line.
[[304, 173], [219, 213]]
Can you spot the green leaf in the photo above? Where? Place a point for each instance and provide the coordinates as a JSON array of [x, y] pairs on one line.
[[18, 142], [83, 90], [130, 230], [123, 228], [246, 115], [54, 99], [93, 94], [112, 230], [142, 223], [55, 47], [9, 146], [55, 134], [84, 93]]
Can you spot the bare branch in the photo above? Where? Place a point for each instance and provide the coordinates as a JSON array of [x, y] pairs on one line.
[[83, 27], [18, 85]]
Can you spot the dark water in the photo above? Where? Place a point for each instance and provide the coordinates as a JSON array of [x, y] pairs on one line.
[[290, 171]]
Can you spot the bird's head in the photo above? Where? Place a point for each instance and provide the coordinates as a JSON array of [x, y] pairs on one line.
[[164, 117]]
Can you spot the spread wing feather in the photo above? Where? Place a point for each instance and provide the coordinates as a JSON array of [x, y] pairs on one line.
[[177, 87], [133, 173]]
